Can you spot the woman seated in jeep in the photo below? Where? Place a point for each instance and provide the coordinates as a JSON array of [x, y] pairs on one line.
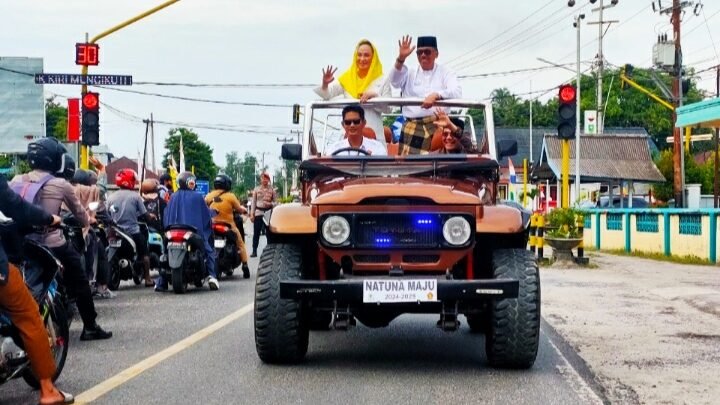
[[454, 139]]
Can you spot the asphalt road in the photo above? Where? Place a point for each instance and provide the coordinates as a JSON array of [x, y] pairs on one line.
[[410, 362]]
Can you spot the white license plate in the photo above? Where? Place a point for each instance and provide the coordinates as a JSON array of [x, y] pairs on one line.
[[219, 243], [410, 290], [115, 243], [177, 245]]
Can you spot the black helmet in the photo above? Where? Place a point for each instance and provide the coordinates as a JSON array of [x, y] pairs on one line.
[[186, 181], [165, 177], [68, 167], [222, 182], [81, 177], [47, 154]]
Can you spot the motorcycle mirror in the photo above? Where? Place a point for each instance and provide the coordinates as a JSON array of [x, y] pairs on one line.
[[93, 206]]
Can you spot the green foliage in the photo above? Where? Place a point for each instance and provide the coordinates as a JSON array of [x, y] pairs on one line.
[[55, 119], [694, 174], [244, 173], [283, 183], [197, 153], [563, 222]]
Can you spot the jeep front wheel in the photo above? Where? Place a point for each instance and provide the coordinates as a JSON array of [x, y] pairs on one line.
[[281, 330], [514, 324]]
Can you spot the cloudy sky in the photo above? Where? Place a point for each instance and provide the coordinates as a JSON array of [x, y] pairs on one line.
[[289, 41]]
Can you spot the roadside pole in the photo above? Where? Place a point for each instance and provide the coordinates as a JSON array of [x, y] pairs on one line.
[[84, 150], [577, 111], [716, 188], [565, 173], [525, 181]]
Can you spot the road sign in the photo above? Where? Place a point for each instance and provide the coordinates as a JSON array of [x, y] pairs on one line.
[[90, 80], [591, 122], [202, 187]]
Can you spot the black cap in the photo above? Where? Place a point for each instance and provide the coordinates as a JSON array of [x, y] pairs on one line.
[[458, 123], [427, 42]]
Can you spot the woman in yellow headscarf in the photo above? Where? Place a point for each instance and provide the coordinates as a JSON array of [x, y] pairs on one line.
[[363, 81]]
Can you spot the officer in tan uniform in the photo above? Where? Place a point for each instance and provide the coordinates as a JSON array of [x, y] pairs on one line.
[[263, 199]]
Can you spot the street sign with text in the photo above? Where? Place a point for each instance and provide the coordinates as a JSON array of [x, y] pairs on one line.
[[78, 79]]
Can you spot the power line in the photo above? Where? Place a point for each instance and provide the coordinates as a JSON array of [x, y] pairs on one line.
[[510, 72], [500, 34], [201, 100], [228, 85]]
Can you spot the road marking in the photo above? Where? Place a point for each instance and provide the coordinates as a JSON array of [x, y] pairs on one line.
[[582, 388], [133, 371]]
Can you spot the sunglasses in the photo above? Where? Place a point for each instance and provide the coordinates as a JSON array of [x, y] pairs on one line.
[[426, 52], [352, 122], [449, 133]]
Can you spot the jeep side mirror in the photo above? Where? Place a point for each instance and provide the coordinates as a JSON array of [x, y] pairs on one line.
[[506, 148], [291, 151]]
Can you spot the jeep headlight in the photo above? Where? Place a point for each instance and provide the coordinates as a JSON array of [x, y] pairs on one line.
[[456, 231], [336, 230]]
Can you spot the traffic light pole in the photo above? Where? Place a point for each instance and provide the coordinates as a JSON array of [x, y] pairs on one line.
[[577, 111], [84, 150]]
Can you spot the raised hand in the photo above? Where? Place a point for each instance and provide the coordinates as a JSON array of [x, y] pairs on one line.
[[328, 75], [443, 120], [406, 48]]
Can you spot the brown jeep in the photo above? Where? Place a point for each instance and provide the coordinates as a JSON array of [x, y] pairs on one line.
[[374, 237]]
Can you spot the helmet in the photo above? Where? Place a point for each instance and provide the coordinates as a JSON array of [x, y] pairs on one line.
[[165, 177], [81, 177], [92, 178], [126, 178], [186, 181], [149, 186], [222, 182], [46, 154], [68, 167]]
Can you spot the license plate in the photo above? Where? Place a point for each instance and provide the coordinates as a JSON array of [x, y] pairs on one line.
[[115, 243], [175, 245], [219, 243], [388, 291]]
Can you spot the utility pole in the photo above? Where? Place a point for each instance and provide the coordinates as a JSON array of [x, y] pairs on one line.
[[152, 142], [578, 19], [601, 60], [716, 188]]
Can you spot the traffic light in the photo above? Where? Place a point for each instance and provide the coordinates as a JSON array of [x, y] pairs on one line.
[[91, 119], [296, 114], [567, 112]]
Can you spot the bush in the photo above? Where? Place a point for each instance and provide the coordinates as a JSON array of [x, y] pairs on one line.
[[564, 223]]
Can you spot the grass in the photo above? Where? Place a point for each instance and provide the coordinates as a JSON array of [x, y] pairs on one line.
[[656, 256]]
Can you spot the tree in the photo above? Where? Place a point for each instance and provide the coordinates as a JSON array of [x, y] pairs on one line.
[[197, 153], [283, 183], [694, 174], [55, 119], [242, 172]]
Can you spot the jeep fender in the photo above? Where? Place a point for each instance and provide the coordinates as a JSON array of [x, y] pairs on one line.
[[500, 219], [292, 218]]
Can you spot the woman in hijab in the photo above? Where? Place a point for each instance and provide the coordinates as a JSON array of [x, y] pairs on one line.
[[363, 81]]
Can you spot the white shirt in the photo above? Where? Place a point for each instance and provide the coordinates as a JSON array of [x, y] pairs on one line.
[[373, 116], [421, 83], [374, 147]]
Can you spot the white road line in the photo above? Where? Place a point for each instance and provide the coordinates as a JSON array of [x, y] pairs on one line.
[[133, 371], [573, 378]]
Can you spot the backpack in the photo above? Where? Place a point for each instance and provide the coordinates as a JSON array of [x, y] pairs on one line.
[[29, 190]]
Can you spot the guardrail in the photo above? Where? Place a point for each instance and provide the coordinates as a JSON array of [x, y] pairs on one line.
[[672, 232]]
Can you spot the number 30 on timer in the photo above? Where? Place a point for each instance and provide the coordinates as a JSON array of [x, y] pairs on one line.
[[86, 54]]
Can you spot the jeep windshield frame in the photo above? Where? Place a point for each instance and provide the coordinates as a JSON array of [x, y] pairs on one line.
[[310, 151]]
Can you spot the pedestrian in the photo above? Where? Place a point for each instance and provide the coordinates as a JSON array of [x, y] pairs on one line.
[[263, 200], [430, 81]]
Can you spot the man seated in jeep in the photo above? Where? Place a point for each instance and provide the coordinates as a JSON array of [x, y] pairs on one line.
[[354, 143]]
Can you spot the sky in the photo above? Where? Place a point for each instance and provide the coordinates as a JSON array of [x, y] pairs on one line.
[[290, 41]]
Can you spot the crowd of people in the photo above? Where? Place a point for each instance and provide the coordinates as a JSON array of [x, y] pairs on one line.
[[425, 128]]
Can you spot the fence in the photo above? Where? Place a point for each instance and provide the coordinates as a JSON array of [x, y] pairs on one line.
[[672, 232]]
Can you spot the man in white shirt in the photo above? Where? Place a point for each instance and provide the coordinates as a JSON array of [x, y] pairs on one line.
[[353, 121], [430, 81]]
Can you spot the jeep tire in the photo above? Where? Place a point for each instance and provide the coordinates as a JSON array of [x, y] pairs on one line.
[[514, 324], [281, 329]]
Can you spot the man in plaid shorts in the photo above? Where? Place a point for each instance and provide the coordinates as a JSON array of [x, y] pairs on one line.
[[430, 81]]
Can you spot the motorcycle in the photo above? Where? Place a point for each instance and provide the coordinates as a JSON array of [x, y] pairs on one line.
[[156, 248], [226, 251], [39, 267], [185, 258], [122, 256]]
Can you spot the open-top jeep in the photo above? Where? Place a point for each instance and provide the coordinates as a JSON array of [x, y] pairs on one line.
[[375, 237]]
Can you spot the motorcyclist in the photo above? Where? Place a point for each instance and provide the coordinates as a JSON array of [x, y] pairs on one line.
[[165, 189], [227, 205], [187, 207], [18, 303], [88, 192], [126, 207], [45, 157], [153, 203]]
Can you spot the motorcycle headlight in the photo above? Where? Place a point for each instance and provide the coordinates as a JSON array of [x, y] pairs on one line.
[[456, 231], [336, 230]]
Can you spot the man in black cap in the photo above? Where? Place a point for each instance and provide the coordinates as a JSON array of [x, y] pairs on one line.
[[430, 81]]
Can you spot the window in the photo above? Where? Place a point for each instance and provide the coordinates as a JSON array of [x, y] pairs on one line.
[[587, 219], [646, 223], [690, 224], [614, 222]]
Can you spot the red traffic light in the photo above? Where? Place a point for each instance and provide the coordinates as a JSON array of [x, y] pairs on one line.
[[567, 93], [91, 101]]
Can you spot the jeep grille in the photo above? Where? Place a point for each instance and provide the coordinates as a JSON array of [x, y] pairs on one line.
[[397, 230]]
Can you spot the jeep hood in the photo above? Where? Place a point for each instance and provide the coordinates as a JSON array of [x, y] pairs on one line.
[[440, 191]]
